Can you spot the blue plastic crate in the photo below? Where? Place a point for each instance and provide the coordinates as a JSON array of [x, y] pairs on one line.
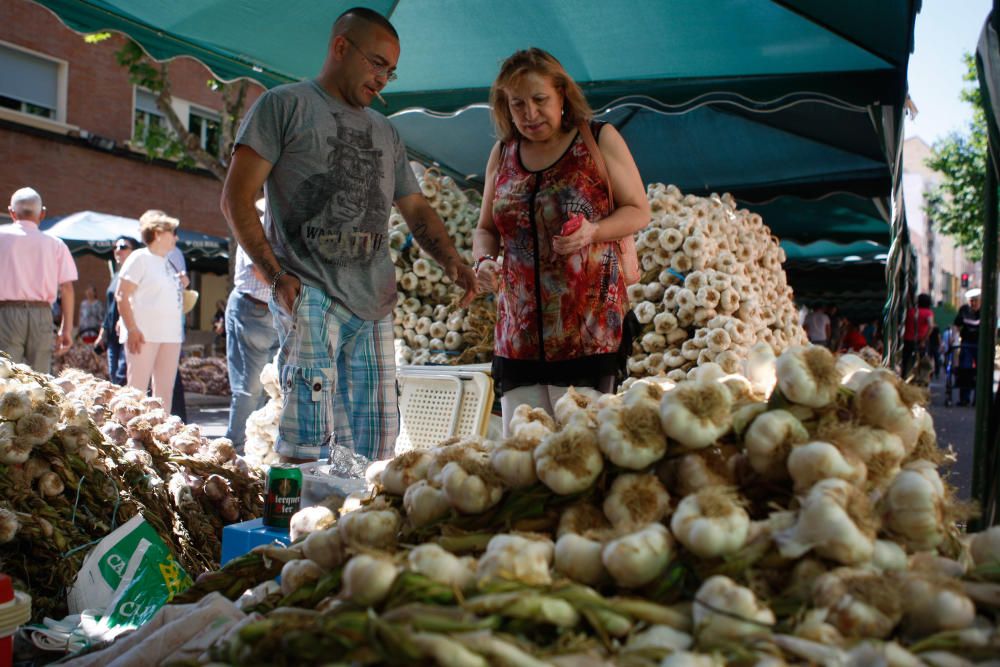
[[239, 538]]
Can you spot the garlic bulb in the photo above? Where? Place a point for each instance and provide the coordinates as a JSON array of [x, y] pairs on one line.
[[425, 503], [859, 603], [769, 440], [529, 422], [309, 520], [914, 506], [696, 414], [579, 558], [517, 558], [711, 523], [573, 401], [470, 486], [720, 608], [324, 547], [439, 565], [404, 470], [815, 461], [570, 460], [808, 375], [632, 436], [368, 579], [373, 528], [298, 573], [836, 520], [636, 500], [513, 460], [639, 557]]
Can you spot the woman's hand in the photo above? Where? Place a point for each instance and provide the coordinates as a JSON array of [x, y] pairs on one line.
[[487, 279], [135, 342], [581, 238]]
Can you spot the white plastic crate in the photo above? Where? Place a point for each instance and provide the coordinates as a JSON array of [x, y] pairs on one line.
[[437, 403]]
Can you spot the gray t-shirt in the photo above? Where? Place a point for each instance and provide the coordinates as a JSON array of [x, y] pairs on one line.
[[336, 171]]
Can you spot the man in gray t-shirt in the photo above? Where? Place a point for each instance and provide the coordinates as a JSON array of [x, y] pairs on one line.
[[331, 169]]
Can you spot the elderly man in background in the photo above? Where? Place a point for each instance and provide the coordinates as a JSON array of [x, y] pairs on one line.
[[36, 267]]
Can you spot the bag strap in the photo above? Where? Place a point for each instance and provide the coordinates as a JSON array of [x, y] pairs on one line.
[[602, 167]]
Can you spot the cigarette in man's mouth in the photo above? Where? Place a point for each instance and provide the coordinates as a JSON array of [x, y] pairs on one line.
[[381, 99]]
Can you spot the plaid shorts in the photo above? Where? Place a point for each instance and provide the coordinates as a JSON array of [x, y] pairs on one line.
[[338, 380]]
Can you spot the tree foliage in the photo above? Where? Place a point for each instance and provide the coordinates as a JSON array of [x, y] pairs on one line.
[[956, 205], [174, 141]]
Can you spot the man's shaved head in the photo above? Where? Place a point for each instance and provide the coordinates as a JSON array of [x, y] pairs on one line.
[[361, 18]]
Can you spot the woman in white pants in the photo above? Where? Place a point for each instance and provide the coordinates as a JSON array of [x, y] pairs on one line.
[[150, 300]]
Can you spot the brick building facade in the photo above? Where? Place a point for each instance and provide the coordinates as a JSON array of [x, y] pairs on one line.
[[67, 119]]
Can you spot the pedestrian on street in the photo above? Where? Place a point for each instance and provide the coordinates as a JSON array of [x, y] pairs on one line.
[[36, 269], [967, 321], [108, 335], [331, 169], [150, 303], [251, 342], [817, 326]]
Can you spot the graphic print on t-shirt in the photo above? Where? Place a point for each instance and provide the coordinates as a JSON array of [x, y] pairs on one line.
[[339, 216]]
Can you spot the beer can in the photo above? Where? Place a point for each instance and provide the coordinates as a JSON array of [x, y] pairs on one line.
[[284, 495]]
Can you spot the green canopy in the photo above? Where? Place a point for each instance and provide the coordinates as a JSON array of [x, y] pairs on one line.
[[673, 50], [761, 99]]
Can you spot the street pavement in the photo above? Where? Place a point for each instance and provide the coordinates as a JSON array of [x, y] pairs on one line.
[[955, 426], [211, 413]]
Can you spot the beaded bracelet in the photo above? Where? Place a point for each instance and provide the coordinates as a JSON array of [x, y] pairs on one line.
[[484, 258], [275, 279]]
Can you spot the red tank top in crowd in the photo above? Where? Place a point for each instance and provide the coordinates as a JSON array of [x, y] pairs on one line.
[[553, 307]]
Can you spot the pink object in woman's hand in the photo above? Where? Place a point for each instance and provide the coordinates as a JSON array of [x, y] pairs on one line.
[[572, 225]]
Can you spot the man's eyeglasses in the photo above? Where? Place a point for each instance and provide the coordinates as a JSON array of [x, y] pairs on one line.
[[378, 70]]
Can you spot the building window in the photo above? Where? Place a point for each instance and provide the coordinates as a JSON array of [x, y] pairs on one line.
[[207, 127], [29, 83], [148, 117]]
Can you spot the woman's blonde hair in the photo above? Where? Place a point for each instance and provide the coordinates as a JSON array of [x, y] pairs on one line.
[[535, 61], [153, 221]]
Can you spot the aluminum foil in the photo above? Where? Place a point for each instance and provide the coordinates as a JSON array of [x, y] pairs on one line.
[[344, 462]]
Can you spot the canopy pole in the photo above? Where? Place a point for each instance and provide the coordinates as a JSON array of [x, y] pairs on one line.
[[986, 458], [983, 483]]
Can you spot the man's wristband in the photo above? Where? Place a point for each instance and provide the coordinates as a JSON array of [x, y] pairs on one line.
[[275, 279], [484, 258]]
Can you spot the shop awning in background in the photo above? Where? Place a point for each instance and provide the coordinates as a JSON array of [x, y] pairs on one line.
[[89, 232]]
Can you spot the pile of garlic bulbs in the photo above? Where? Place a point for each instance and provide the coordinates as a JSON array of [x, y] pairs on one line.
[[712, 286], [262, 425], [794, 517], [79, 456], [426, 321]]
